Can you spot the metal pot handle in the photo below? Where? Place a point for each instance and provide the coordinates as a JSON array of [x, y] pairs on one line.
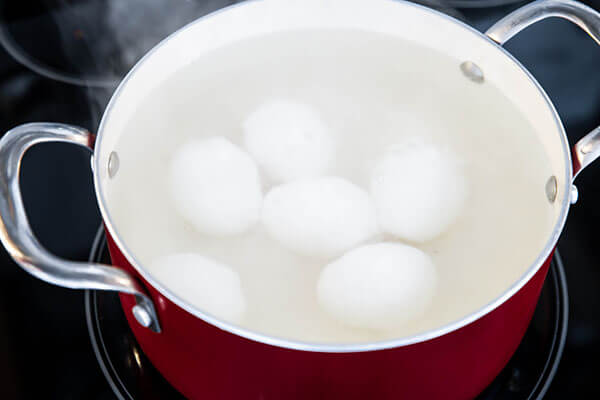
[[18, 239], [587, 149]]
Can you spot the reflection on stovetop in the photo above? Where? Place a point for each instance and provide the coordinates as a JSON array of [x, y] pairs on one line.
[[45, 347]]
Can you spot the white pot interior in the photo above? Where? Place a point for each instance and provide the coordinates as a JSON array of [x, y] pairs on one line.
[[400, 20]]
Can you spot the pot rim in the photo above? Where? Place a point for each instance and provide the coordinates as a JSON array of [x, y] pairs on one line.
[[545, 253]]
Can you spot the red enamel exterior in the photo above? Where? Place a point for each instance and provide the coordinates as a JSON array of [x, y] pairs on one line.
[[205, 362]]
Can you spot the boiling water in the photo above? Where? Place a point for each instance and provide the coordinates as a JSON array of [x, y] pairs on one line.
[[372, 91]]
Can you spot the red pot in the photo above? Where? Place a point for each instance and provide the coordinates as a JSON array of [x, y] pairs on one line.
[[203, 361], [207, 358]]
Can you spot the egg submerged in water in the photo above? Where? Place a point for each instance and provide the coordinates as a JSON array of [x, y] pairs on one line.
[[419, 190], [288, 140], [319, 217], [209, 285], [215, 186], [378, 286]]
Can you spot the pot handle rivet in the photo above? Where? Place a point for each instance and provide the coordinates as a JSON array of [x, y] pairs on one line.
[[472, 71], [113, 164], [551, 189], [142, 316], [574, 194]]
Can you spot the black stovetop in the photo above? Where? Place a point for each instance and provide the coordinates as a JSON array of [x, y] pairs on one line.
[[45, 348]]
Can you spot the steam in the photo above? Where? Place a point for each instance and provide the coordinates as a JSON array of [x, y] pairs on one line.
[[102, 39], [106, 38], [138, 25], [98, 41], [120, 32]]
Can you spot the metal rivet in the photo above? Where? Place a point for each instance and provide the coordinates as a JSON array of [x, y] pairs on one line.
[[113, 164], [574, 194], [472, 71], [588, 147], [551, 189], [142, 316]]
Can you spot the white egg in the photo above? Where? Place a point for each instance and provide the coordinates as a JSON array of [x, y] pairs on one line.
[[288, 140], [215, 186], [204, 283], [419, 190], [378, 286], [319, 217]]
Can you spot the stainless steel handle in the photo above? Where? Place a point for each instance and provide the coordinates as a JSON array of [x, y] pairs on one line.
[[588, 148], [18, 238], [581, 15]]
